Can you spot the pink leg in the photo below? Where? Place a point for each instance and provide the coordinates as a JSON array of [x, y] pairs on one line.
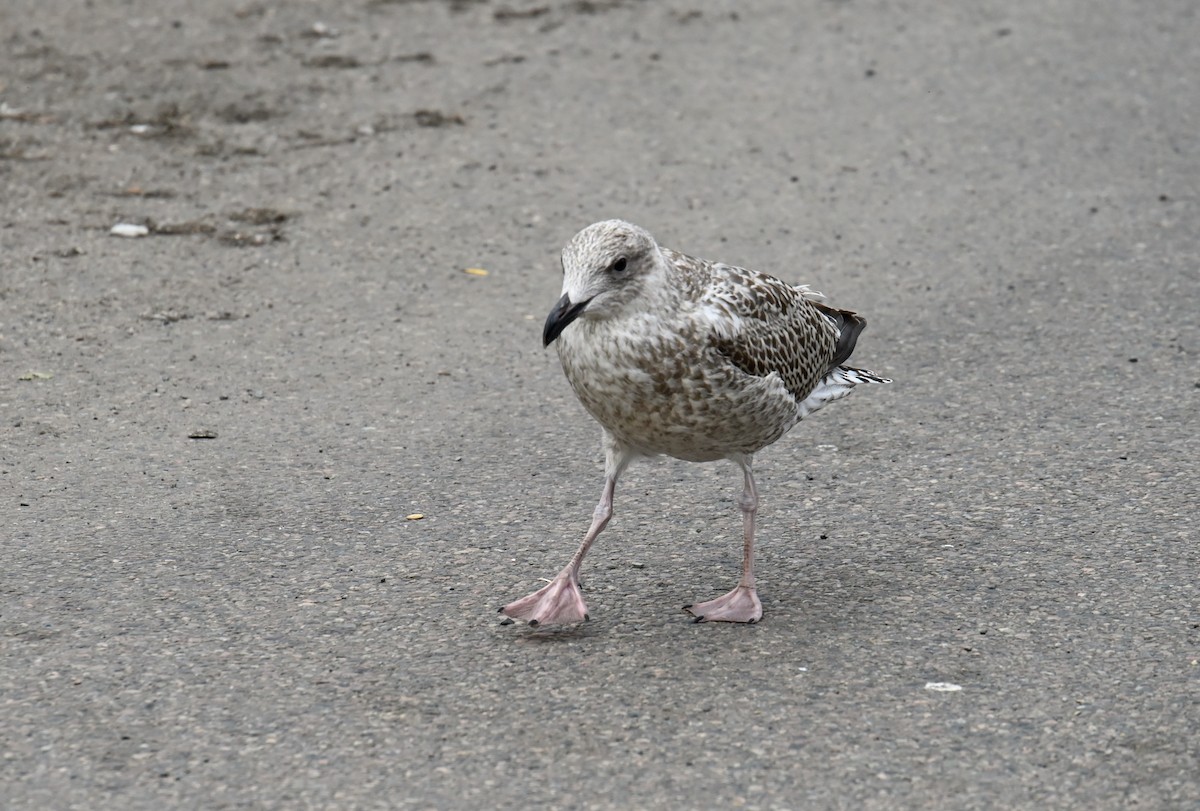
[[741, 604], [561, 602]]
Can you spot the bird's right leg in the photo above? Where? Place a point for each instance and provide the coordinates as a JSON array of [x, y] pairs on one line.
[[741, 604], [561, 601]]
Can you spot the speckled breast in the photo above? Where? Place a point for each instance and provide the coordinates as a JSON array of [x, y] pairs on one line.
[[655, 391]]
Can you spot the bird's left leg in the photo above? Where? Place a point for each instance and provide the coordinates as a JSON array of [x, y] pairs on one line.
[[741, 604], [561, 601]]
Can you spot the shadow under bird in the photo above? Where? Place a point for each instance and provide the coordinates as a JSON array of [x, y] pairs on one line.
[[693, 359]]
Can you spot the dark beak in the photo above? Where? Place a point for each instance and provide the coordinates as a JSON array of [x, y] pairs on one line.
[[564, 313]]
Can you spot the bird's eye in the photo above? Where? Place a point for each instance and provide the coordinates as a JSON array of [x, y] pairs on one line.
[[619, 265]]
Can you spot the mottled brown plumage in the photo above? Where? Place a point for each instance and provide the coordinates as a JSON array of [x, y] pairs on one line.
[[700, 360]]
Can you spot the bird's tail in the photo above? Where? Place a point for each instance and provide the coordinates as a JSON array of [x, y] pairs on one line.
[[840, 381], [853, 376]]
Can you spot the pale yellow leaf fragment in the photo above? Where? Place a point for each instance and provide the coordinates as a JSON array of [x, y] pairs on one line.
[[475, 271], [415, 516]]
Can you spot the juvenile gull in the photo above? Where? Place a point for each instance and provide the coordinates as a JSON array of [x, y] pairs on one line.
[[694, 359]]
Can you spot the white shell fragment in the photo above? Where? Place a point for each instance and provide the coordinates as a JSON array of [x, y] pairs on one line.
[[942, 686], [128, 229]]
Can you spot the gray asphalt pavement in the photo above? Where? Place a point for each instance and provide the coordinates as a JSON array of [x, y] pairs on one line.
[[213, 438]]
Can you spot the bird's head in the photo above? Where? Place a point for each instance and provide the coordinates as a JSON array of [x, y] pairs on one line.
[[605, 267]]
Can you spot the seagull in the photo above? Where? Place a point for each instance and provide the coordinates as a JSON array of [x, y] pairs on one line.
[[693, 359]]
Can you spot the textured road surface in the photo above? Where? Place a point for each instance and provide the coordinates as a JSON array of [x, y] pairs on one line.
[[247, 619]]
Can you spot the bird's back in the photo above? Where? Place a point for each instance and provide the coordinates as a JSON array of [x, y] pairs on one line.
[[763, 325]]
